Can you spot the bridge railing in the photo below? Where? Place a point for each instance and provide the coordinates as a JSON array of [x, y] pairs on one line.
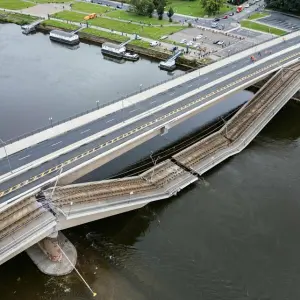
[[17, 138]]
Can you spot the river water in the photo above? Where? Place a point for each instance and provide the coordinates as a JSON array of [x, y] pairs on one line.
[[233, 235]]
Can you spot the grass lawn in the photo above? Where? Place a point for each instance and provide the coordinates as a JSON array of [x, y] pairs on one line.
[[15, 4], [258, 15], [59, 25], [129, 16], [52, 1], [151, 32], [70, 16], [104, 34], [16, 18], [90, 8], [140, 43], [261, 27], [192, 8]]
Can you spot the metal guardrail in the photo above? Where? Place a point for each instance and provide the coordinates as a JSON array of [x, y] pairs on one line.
[[12, 140]]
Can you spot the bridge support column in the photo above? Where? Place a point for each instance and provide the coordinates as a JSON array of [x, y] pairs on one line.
[[49, 255]]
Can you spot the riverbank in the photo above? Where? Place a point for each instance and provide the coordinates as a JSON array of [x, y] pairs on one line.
[[137, 46], [16, 18]]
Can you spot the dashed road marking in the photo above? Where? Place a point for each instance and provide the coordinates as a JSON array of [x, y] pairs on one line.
[[24, 157], [109, 121], [56, 144], [87, 130]]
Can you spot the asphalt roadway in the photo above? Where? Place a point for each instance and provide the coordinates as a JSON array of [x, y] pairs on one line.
[[40, 174]]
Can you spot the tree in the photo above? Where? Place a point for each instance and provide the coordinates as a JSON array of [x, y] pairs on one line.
[[212, 7], [150, 9], [160, 11], [142, 7], [170, 14], [287, 5]]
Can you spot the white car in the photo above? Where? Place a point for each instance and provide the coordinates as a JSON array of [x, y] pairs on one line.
[[247, 5], [220, 42], [154, 44], [184, 41], [214, 25], [198, 37], [189, 44]]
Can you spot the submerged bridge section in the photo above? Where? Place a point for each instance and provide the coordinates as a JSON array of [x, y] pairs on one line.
[[31, 220]]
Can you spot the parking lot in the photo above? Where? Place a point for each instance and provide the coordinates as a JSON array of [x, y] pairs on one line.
[[205, 39], [282, 21]]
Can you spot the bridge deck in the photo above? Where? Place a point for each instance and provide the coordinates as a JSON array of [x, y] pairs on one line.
[[28, 221]]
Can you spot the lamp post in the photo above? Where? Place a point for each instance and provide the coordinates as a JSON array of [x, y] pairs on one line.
[[4, 146], [50, 120]]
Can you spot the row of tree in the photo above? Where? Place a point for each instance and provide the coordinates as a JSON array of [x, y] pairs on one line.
[[290, 5]]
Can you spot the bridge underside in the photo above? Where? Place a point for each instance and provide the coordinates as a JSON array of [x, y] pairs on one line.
[[30, 220]]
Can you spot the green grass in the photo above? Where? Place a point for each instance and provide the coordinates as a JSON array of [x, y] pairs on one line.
[[104, 34], [70, 16], [15, 4], [52, 1], [151, 32], [16, 18], [58, 24], [129, 16], [258, 15], [140, 43], [192, 8], [90, 8], [261, 27]]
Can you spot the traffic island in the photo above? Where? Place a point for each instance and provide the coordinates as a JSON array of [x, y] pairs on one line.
[[53, 255]]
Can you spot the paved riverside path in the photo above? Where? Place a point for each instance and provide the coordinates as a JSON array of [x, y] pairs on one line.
[[40, 175]]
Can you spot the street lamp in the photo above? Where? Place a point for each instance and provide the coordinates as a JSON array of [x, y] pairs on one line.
[[4, 146], [50, 120], [97, 102]]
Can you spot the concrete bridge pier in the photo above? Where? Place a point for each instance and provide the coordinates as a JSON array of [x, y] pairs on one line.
[[54, 255]]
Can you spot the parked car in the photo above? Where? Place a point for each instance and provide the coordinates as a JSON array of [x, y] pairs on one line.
[[216, 19], [184, 41], [154, 44], [198, 37], [225, 17], [214, 25], [247, 5], [231, 14], [220, 42], [190, 43]]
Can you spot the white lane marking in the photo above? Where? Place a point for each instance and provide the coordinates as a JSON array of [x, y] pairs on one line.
[[24, 157], [153, 102], [206, 78], [219, 73], [109, 121], [133, 110], [85, 131], [56, 144], [233, 66], [172, 94], [190, 85]]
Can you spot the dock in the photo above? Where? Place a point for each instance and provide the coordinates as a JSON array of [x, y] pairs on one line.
[[170, 63], [26, 29]]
